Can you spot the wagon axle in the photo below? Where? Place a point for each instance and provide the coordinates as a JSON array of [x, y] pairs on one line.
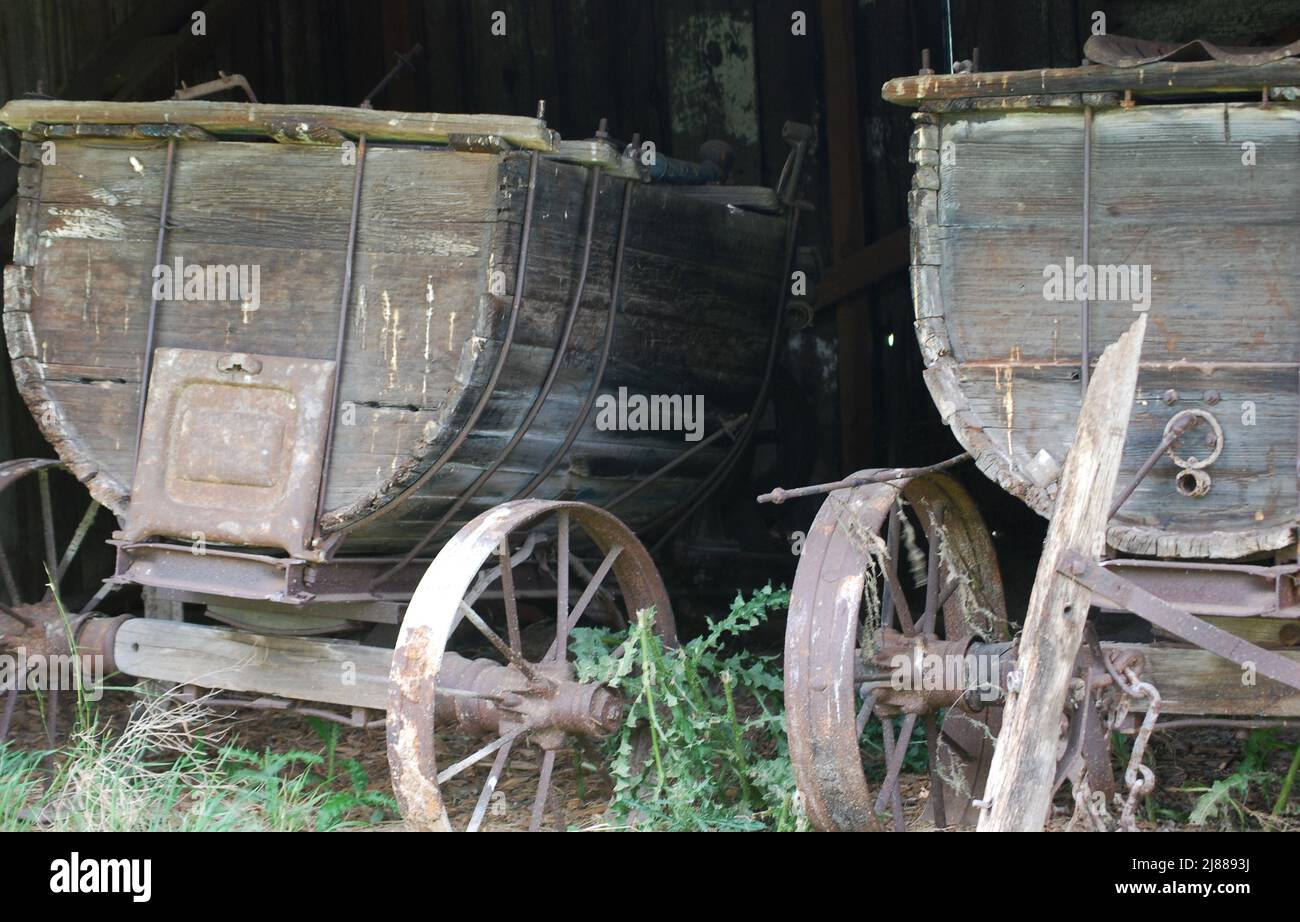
[[481, 696]]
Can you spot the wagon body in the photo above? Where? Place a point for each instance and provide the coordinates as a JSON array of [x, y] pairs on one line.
[[1185, 209], [430, 397]]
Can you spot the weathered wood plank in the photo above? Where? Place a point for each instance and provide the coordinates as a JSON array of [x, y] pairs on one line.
[[1151, 80], [330, 671], [1243, 309], [1031, 408], [1025, 170], [244, 119], [1019, 789], [1192, 681]]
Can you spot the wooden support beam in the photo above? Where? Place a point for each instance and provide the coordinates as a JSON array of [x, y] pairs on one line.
[[852, 321], [1019, 791], [1197, 683], [301, 668], [873, 263]]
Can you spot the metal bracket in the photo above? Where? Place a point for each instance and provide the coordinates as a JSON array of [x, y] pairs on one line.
[[1177, 621]]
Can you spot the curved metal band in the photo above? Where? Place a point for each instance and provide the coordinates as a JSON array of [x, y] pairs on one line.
[[615, 292], [557, 359], [680, 514], [488, 389]]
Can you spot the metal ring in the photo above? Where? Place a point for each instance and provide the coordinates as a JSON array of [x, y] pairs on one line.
[[1195, 463]]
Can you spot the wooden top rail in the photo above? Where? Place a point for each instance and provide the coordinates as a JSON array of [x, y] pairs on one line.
[[241, 118], [1148, 80]]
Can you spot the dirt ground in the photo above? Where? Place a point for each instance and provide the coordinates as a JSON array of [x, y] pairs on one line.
[[583, 790], [1183, 760]]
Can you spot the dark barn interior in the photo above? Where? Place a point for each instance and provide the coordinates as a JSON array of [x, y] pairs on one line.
[[847, 392]]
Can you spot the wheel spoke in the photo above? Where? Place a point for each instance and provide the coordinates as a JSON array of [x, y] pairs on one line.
[[490, 786], [47, 524], [98, 597], [543, 791], [587, 595], [21, 619], [488, 578], [900, 601], [895, 753], [8, 575], [474, 757], [864, 713], [508, 595], [11, 699], [562, 586], [891, 555], [619, 621], [472, 695], [936, 783], [891, 789], [501, 646], [79, 536], [932, 573]]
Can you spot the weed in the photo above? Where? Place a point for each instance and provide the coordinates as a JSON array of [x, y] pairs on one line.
[[703, 745]]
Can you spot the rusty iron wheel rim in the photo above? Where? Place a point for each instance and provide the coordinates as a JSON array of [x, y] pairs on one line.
[[824, 711], [436, 610]]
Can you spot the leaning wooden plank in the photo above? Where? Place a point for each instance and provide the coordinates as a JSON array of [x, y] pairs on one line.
[[1153, 79], [1019, 791], [332, 671], [237, 118]]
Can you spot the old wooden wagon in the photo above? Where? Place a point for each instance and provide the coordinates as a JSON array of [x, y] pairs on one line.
[[336, 370], [1050, 210]]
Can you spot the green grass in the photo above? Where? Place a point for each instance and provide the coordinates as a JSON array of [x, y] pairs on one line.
[[1241, 800], [174, 767]]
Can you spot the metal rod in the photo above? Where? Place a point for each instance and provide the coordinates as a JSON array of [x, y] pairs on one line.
[[490, 386], [884, 475], [723, 470], [725, 429], [345, 300], [581, 418], [557, 359], [152, 328], [1085, 306], [1189, 422], [403, 60]]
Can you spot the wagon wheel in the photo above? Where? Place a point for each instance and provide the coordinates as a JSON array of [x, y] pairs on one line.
[[29, 617], [519, 698], [888, 567]]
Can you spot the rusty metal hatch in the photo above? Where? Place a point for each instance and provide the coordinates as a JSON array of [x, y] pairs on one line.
[[231, 450]]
